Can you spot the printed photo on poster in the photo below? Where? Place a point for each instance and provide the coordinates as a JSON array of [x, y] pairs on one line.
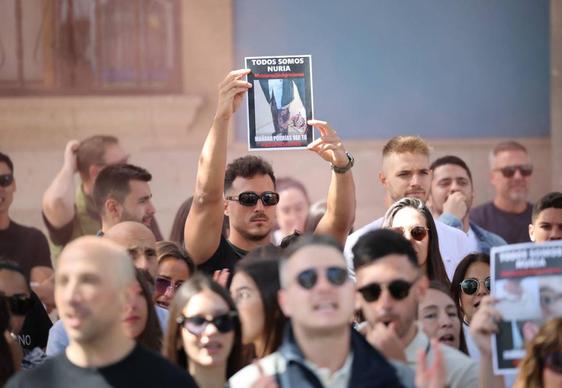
[[527, 282], [279, 102]]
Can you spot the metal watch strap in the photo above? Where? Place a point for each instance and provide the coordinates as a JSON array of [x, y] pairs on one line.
[[347, 167]]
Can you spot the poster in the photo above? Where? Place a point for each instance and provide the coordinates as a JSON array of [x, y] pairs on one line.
[[527, 281], [279, 102]]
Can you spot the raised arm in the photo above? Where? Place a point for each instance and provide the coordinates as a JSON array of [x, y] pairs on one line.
[[203, 226], [340, 208], [58, 200]]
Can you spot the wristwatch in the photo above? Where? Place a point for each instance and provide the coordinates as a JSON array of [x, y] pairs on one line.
[[347, 167]]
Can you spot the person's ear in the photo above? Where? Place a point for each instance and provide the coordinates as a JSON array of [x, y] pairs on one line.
[[113, 209], [532, 232], [382, 178], [226, 211]]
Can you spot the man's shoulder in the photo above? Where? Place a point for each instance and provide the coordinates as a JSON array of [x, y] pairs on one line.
[[271, 365], [481, 210], [450, 231], [45, 374]]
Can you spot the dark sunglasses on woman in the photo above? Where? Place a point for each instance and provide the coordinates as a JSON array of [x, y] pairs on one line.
[[470, 285], [197, 324], [161, 285], [398, 289], [250, 198], [19, 304]]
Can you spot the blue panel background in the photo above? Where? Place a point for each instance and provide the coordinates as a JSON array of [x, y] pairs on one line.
[[437, 68]]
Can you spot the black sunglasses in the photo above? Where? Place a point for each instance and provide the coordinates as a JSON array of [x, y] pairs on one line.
[[19, 304], [307, 279], [161, 285], [197, 324], [250, 198], [6, 180], [398, 289], [418, 233], [509, 171], [553, 361], [470, 286]]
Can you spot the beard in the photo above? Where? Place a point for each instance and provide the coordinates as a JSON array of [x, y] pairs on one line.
[[255, 237]]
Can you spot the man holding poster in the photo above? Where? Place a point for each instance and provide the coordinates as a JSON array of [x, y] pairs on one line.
[[245, 190]]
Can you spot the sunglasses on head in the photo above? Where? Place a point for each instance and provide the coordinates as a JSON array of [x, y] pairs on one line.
[[470, 286], [162, 285], [509, 171], [19, 304], [418, 233], [197, 324], [399, 289], [6, 180], [250, 198], [336, 276], [553, 361]]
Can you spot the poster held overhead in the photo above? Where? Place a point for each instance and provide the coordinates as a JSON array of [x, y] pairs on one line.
[[280, 102]]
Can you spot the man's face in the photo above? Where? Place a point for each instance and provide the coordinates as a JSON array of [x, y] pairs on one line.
[[138, 205], [326, 306], [14, 284], [86, 296], [449, 179], [515, 188], [387, 309], [252, 223], [141, 245], [6, 193], [547, 226], [406, 175]]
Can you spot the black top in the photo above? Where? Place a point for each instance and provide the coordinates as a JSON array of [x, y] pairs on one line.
[[140, 368], [226, 256], [26, 246], [512, 227]]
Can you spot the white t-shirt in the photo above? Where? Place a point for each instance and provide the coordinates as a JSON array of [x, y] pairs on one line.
[[453, 245]]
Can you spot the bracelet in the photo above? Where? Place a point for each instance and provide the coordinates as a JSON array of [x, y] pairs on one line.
[[347, 167]]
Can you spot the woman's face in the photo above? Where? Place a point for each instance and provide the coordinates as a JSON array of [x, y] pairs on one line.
[[470, 303], [408, 218], [171, 275], [292, 211], [250, 306], [136, 314], [211, 347], [438, 315]]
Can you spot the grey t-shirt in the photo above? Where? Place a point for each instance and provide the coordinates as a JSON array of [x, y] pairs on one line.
[[513, 227]]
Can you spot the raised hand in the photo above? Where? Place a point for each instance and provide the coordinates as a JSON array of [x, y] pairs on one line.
[[70, 156], [329, 146], [430, 376], [231, 92], [456, 204], [484, 323], [386, 340]]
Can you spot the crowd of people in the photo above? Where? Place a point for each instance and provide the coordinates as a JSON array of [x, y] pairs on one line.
[[257, 286]]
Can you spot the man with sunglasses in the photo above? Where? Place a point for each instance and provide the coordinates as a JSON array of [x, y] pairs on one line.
[[451, 198], [69, 211], [319, 347], [23, 244], [509, 213], [390, 284], [28, 319], [95, 281], [245, 190]]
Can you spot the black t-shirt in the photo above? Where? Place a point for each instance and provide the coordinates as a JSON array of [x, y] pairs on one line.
[[226, 256], [512, 227], [26, 246], [140, 368], [35, 330]]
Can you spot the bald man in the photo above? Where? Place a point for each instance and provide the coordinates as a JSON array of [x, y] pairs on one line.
[[139, 241], [94, 283]]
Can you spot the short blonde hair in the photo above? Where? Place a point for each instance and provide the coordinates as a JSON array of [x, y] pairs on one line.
[[402, 144]]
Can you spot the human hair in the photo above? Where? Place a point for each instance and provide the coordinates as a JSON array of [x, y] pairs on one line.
[[151, 336], [504, 146], [91, 151], [303, 242], [113, 182], [9, 265], [247, 167], [547, 340], [169, 249], [403, 144], [7, 367], [286, 183], [438, 286], [262, 266], [550, 200], [177, 354], [434, 264], [6, 159], [459, 275], [376, 244], [451, 159]]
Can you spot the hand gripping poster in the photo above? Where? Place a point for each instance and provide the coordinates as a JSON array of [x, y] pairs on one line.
[[527, 282], [279, 102]]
